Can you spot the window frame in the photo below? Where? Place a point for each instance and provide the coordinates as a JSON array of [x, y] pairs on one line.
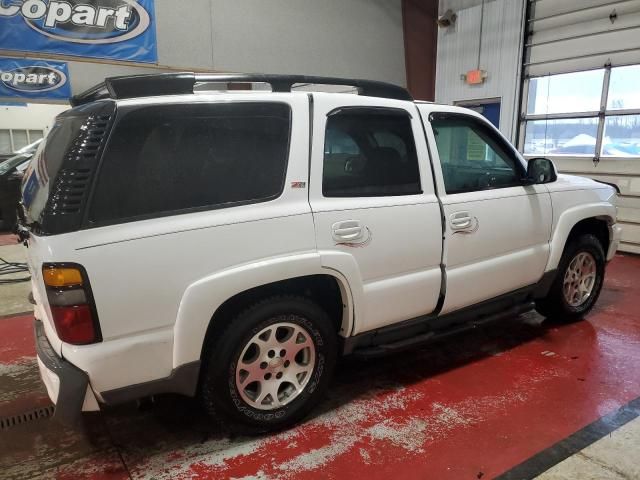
[[10, 138], [602, 114], [371, 110], [12, 143], [122, 111], [35, 130], [495, 134], [13, 138]]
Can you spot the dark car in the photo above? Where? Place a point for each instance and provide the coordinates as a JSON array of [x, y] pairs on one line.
[[11, 173], [4, 157]]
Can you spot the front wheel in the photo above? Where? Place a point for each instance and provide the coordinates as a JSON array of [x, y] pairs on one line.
[[271, 365], [578, 282]]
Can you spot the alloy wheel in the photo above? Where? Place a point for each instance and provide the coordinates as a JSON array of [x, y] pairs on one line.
[[579, 279], [275, 365]]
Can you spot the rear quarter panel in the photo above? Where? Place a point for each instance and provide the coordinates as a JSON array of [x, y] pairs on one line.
[[140, 271]]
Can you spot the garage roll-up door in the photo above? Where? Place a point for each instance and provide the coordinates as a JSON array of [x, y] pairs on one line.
[[581, 95], [570, 35]]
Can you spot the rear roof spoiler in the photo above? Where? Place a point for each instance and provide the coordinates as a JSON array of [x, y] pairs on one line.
[[152, 85]]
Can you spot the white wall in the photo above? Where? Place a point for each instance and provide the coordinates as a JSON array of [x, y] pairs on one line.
[[31, 117], [350, 38], [500, 56]]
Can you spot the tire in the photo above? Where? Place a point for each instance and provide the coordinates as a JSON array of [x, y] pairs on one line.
[[234, 382], [557, 304]]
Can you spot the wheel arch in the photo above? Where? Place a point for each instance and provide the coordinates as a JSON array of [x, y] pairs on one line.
[[597, 226], [210, 303], [595, 219]]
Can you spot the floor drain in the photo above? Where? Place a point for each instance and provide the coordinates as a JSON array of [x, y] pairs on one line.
[[26, 417]]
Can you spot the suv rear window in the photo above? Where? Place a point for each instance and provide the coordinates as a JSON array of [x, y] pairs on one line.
[[164, 159], [53, 189]]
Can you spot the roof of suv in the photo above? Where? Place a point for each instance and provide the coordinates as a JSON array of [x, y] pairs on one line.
[[153, 85], [181, 87]]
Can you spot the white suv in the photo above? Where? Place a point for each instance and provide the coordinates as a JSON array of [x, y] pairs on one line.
[[233, 244]]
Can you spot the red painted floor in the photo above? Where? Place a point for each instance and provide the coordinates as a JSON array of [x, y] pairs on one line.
[[8, 239], [471, 407]]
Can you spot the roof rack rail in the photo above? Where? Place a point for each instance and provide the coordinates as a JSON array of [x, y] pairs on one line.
[[152, 85]]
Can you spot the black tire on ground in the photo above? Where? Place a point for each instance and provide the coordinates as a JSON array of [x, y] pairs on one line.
[[555, 305], [219, 392]]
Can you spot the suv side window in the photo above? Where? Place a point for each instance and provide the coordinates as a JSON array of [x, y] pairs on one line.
[[472, 156], [369, 153], [163, 159]]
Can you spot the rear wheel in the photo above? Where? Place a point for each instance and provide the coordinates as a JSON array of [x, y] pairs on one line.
[[578, 281], [271, 365]]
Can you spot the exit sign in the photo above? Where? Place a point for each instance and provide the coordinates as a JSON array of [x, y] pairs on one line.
[[475, 77]]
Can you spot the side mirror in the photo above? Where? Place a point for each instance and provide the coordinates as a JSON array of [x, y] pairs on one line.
[[541, 170]]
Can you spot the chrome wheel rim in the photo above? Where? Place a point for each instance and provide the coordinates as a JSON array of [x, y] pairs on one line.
[[275, 365], [579, 279]]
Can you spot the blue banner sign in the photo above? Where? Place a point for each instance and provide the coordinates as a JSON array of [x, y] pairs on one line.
[[26, 78], [110, 29]]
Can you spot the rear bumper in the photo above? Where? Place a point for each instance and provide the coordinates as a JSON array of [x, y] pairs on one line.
[[615, 233], [67, 385]]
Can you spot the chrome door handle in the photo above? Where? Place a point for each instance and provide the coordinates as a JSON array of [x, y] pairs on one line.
[[348, 230], [460, 220], [463, 222]]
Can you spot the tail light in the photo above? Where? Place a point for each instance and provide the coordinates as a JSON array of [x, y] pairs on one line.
[[71, 301]]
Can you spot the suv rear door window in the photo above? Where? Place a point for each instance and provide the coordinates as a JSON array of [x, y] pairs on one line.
[[369, 153], [163, 159]]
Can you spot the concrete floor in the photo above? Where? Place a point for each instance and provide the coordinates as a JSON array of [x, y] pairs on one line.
[[480, 405], [13, 296], [614, 457]]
